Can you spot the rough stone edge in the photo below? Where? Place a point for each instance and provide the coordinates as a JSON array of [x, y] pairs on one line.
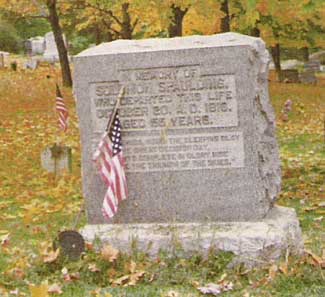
[[253, 243], [265, 123]]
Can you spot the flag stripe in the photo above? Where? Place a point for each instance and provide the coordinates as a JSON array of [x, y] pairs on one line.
[[62, 110], [110, 162]]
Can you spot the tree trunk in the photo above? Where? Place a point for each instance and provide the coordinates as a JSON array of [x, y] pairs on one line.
[[305, 54], [98, 35], [225, 21], [275, 52], [176, 25], [63, 53], [126, 30], [255, 32]]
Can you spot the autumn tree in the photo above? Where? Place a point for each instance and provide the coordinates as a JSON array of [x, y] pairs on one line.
[[225, 20], [288, 23], [107, 20], [43, 9], [57, 31]]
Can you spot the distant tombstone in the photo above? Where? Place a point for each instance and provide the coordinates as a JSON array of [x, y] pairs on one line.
[[2, 60], [56, 159], [37, 45], [198, 134], [291, 64], [313, 65], [289, 76], [51, 52], [308, 77], [3, 57], [31, 64], [322, 68]]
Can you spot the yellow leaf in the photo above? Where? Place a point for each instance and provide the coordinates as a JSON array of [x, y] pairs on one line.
[[51, 256], [283, 267], [39, 291], [135, 277], [272, 271], [93, 268], [121, 280], [109, 253]]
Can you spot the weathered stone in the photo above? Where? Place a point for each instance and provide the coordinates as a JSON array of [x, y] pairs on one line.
[[291, 64], [31, 64], [308, 77], [3, 57], [51, 53], [35, 45], [57, 159], [198, 127], [289, 76], [2, 61], [313, 65], [253, 243]]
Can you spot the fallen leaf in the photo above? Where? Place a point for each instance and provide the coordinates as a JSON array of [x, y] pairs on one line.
[[272, 271], [93, 267], [55, 289], [121, 280], [14, 292], [109, 253], [283, 267], [51, 256], [132, 266], [213, 289], [39, 291], [134, 277], [172, 294], [4, 240], [316, 260]]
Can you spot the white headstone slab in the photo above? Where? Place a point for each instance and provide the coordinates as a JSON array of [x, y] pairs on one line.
[[37, 45], [51, 52]]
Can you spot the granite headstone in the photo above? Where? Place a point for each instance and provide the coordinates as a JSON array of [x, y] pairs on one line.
[[198, 133], [198, 129]]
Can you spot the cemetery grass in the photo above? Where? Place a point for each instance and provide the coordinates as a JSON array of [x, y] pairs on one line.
[[36, 205]]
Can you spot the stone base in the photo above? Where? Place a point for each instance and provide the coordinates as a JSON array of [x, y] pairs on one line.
[[253, 243]]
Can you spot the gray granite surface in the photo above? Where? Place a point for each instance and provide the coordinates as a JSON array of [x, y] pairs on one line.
[[198, 127]]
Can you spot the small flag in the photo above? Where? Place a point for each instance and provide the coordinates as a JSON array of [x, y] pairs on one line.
[[62, 110], [110, 162]]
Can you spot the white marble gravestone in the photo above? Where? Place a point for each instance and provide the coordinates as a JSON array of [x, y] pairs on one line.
[[51, 53]]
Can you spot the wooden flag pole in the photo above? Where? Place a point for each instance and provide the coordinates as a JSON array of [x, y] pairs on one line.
[[120, 96]]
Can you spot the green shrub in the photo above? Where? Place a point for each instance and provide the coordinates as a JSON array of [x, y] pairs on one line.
[[9, 39], [78, 43]]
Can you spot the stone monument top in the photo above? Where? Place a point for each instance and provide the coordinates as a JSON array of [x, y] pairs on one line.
[[122, 46]]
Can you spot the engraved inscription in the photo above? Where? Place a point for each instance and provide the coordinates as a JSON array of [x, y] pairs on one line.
[[176, 97], [184, 152]]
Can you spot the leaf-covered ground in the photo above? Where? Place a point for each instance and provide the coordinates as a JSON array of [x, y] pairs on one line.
[[35, 206]]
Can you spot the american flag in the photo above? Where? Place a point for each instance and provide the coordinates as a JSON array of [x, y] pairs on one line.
[[110, 162], [62, 110]]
